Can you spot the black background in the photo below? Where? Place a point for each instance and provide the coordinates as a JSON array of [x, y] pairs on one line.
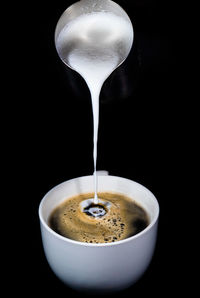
[[140, 134]]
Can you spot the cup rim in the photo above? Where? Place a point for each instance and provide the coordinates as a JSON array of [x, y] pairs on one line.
[[123, 241]]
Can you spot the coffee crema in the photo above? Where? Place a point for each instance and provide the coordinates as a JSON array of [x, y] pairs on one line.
[[124, 218]]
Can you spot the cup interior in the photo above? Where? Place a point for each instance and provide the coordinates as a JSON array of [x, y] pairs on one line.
[[114, 184]]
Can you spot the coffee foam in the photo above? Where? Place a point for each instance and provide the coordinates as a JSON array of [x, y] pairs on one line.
[[124, 218]]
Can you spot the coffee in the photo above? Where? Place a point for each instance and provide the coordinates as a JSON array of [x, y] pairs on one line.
[[116, 217]]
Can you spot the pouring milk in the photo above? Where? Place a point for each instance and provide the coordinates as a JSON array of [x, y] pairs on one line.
[[94, 44]]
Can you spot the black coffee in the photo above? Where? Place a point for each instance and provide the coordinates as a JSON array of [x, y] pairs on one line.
[[117, 217]]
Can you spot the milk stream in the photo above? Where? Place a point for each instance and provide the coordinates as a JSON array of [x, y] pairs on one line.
[[93, 45]]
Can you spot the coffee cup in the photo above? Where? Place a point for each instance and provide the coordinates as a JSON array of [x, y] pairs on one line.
[[102, 267]]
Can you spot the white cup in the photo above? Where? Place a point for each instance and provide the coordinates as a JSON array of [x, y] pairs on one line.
[[99, 267]]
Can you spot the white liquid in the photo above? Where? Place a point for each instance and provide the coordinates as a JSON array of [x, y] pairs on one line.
[[94, 45]]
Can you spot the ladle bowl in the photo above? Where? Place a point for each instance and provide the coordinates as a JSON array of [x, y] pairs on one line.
[[84, 7]]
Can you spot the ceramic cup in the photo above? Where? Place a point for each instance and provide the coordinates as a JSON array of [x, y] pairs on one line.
[[101, 267]]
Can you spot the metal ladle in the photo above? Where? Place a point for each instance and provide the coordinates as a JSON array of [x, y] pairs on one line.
[[87, 7]]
